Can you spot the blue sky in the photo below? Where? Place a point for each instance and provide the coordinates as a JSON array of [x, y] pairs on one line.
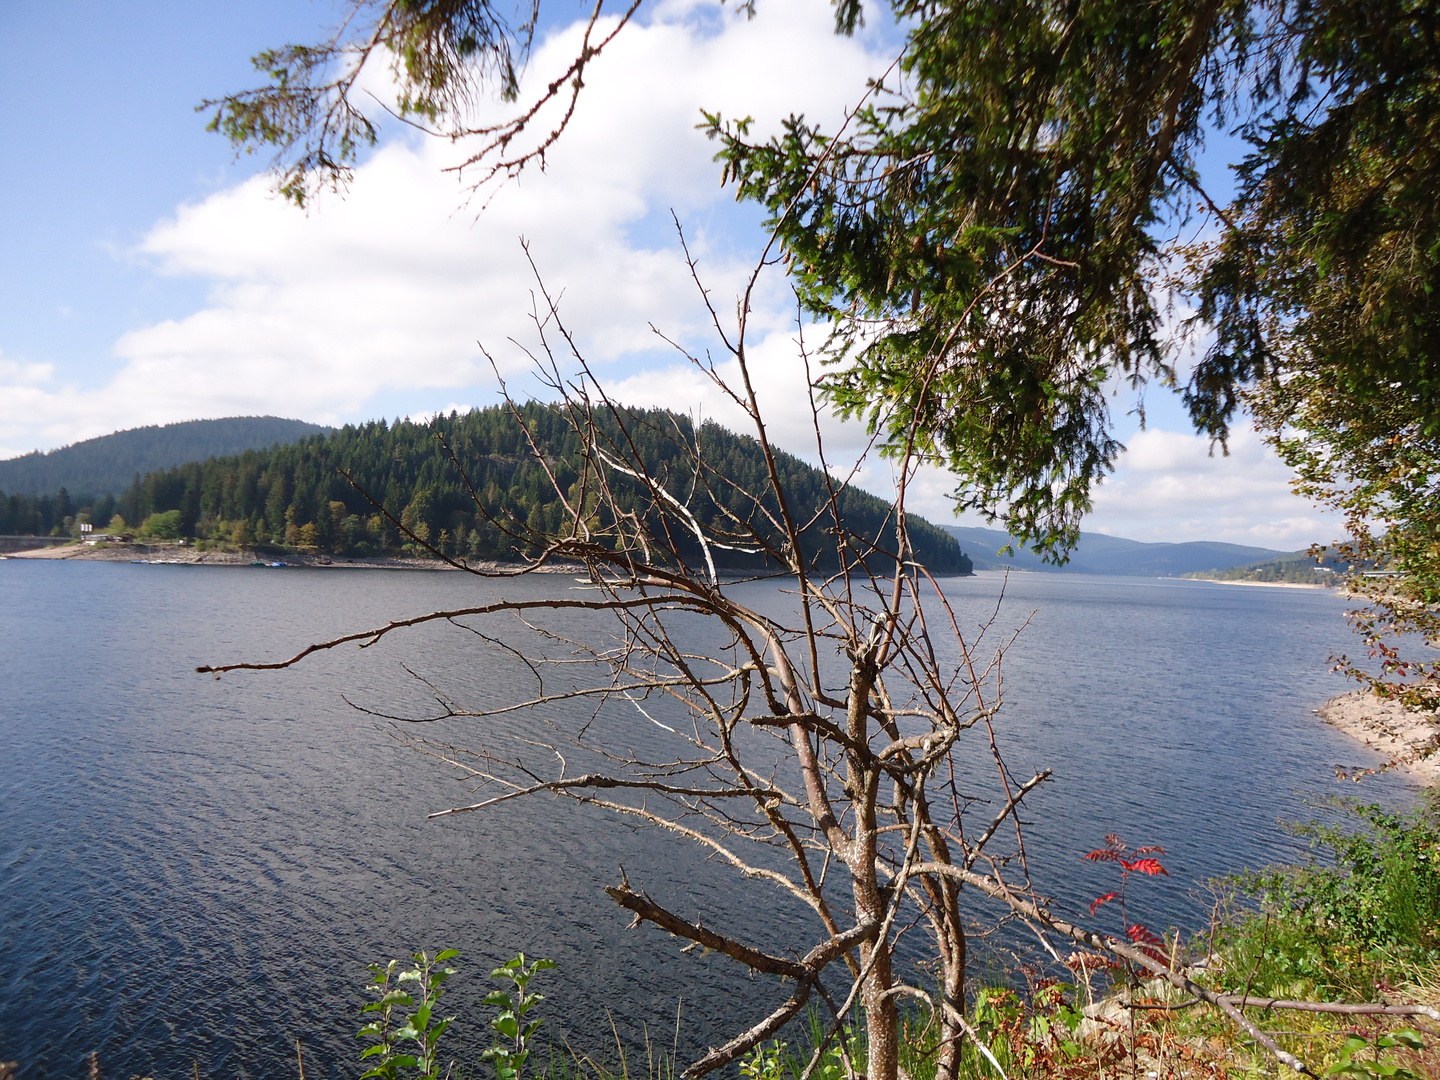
[[101, 141], [148, 277]]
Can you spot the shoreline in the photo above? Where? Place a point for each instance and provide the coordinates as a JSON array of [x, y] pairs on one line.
[[1388, 728], [175, 555], [1261, 584]]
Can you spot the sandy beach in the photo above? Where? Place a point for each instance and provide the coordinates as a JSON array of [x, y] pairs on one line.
[[1264, 584], [1388, 728]]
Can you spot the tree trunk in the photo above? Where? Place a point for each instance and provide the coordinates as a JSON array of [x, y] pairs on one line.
[[950, 937], [881, 1017], [944, 897], [871, 901]]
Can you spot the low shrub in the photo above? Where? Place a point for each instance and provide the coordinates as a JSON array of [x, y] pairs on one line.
[[1362, 913]]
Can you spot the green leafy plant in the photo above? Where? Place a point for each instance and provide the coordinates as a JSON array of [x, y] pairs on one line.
[[512, 1024], [421, 1028], [1349, 1063], [780, 1060], [766, 1062], [1364, 910], [1054, 1019]]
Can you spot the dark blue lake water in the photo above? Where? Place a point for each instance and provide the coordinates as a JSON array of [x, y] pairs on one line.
[[195, 872]]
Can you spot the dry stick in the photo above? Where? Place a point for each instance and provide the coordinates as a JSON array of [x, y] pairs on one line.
[[738, 350], [718, 1057], [805, 972], [957, 1015], [1012, 803], [749, 871], [601, 780], [369, 637], [673, 502], [1375, 1008], [646, 910], [906, 871], [959, 1018]]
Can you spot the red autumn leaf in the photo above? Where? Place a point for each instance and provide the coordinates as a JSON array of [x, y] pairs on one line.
[[1104, 855], [1147, 942], [1150, 849], [1140, 935], [1145, 866], [1081, 961], [1103, 899]]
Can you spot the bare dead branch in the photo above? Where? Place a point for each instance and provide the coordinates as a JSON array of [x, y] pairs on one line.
[[370, 637], [1370, 1008], [646, 910]]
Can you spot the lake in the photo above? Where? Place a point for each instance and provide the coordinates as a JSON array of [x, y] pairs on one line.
[[194, 872]]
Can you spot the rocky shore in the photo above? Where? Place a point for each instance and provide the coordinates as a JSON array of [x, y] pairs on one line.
[[1409, 739], [189, 556]]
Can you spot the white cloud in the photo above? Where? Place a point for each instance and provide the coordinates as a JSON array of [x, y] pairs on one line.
[[374, 302], [1168, 486], [14, 373], [24, 387]]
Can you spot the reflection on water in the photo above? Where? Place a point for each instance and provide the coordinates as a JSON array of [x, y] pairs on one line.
[[196, 871]]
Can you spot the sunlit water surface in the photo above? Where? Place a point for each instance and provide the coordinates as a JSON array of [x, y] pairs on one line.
[[195, 872]]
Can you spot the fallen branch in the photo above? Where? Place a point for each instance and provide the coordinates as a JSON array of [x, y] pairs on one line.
[[1368, 1008]]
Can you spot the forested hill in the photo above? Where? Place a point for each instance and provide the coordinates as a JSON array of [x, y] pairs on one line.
[[107, 465], [296, 496]]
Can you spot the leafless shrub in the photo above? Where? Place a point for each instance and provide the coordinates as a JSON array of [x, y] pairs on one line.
[[815, 750]]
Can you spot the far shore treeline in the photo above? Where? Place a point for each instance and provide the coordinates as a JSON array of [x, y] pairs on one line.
[[295, 496]]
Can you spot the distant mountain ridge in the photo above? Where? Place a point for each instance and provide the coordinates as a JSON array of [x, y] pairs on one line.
[[107, 465], [1097, 553]]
